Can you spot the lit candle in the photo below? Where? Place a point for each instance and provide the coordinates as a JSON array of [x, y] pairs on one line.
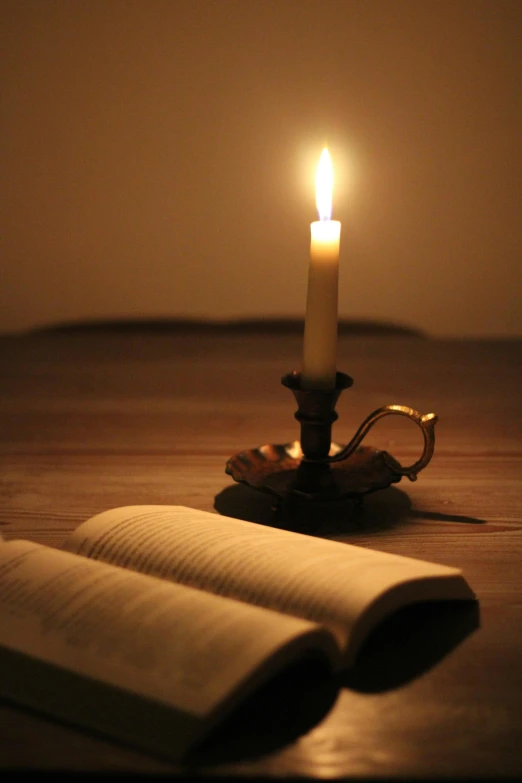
[[320, 331]]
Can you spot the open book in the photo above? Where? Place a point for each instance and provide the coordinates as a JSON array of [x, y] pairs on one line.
[[152, 622]]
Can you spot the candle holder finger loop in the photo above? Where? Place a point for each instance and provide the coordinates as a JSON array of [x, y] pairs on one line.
[[426, 422]]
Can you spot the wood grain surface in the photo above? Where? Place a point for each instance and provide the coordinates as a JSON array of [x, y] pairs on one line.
[[89, 421]]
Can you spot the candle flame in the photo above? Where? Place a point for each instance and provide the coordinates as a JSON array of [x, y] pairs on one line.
[[324, 186]]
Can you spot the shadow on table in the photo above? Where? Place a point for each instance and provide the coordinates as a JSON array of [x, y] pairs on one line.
[[409, 643], [287, 707], [380, 511], [406, 645]]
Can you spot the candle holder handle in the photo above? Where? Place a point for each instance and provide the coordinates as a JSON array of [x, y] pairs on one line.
[[426, 422]]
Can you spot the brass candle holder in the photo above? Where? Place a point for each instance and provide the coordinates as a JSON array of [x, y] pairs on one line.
[[317, 469]]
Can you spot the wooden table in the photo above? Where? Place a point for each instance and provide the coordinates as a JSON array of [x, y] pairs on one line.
[[91, 420]]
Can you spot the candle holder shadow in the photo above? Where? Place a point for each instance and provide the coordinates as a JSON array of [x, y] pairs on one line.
[[316, 469]]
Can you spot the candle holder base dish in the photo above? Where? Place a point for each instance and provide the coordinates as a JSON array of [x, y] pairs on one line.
[[274, 469], [316, 468]]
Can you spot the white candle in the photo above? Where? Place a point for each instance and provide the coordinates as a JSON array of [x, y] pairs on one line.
[[320, 331]]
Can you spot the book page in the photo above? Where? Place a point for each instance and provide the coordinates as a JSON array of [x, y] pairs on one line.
[[343, 587], [170, 645]]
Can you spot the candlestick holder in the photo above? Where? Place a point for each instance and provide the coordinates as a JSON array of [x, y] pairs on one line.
[[315, 468]]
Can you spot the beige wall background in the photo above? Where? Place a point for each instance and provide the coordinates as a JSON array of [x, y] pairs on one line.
[[158, 158]]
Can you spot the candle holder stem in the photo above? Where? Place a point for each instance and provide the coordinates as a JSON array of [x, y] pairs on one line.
[[316, 415]]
